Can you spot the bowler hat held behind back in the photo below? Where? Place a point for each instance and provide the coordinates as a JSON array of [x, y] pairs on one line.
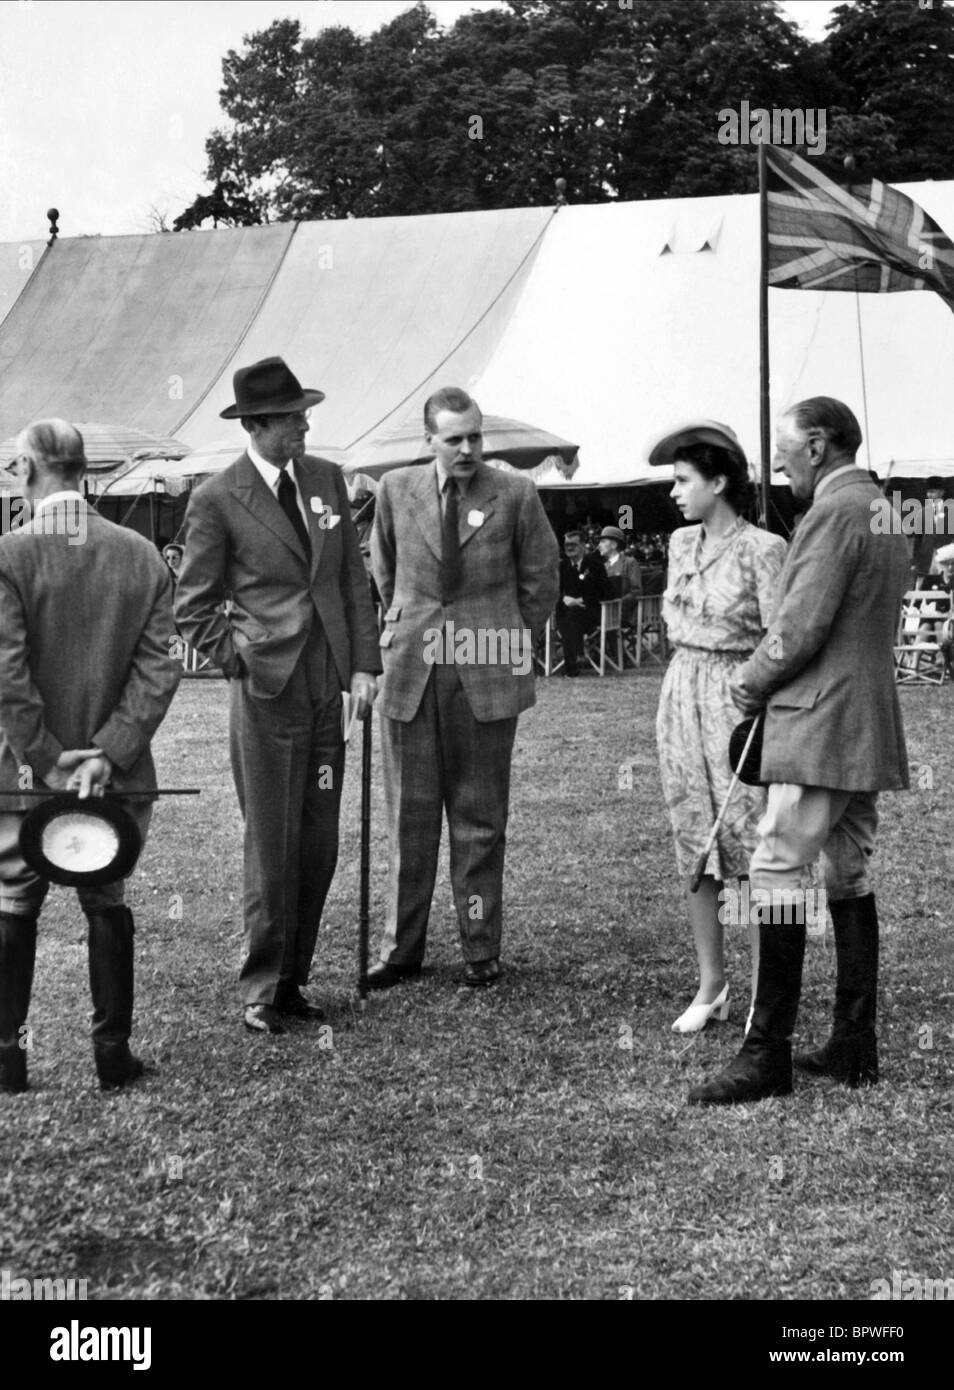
[[269, 387], [81, 843]]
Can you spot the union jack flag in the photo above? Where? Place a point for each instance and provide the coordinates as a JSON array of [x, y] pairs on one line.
[[866, 236]]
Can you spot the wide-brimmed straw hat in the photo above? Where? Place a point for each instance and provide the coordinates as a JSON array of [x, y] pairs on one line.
[[668, 449]]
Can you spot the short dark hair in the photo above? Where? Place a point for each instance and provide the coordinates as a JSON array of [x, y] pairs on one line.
[[447, 398], [830, 418], [712, 461]]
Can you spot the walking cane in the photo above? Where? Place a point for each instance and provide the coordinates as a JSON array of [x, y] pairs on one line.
[[365, 870], [704, 856]]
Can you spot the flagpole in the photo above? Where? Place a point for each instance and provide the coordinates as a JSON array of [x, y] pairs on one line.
[[864, 385], [764, 418]]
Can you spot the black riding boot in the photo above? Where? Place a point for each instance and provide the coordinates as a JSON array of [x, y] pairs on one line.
[[764, 1065], [111, 985], [17, 954], [851, 1053]]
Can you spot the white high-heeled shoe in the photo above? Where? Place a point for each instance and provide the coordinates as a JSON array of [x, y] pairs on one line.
[[697, 1015]]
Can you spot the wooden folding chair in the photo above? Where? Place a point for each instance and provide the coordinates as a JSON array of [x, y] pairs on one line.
[[545, 654], [918, 659], [596, 643], [650, 638]]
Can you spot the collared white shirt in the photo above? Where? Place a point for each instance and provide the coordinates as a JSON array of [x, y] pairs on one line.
[[829, 477], [271, 473], [71, 494]]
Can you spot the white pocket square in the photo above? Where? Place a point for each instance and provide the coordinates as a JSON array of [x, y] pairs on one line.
[[475, 518]]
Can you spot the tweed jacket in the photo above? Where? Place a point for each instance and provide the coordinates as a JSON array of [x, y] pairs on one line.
[[87, 655], [240, 546], [625, 577], [509, 584], [826, 663]]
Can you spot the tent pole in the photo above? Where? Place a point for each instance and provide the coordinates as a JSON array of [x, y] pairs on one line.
[[764, 416], [864, 384]]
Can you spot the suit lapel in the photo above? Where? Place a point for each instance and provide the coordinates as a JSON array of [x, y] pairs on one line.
[[251, 491], [427, 513], [477, 505], [308, 486]]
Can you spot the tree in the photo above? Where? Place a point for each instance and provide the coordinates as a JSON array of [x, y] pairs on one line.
[[232, 200], [156, 218], [893, 60], [622, 103]]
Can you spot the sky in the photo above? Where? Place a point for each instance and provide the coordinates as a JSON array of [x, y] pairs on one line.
[[105, 105]]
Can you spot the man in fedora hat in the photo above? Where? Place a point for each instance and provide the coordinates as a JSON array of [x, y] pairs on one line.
[[833, 738], [86, 676], [623, 575], [272, 589]]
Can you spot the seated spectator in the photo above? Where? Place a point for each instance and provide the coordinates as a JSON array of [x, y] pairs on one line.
[[582, 588], [590, 533], [623, 575], [925, 558], [652, 551], [945, 580]]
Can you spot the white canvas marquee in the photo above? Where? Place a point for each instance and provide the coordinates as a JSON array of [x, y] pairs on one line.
[[640, 315], [604, 324]]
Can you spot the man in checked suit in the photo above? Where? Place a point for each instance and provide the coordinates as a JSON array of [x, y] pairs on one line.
[[466, 564], [272, 588]]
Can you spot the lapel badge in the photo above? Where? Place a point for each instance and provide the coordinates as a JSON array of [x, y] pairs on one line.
[[327, 519], [475, 518]]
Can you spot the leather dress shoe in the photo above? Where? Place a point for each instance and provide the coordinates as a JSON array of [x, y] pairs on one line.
[[383, 975], [292, 1003], [13, 1071], [480, 973], [263, 1018], [116, 1066]]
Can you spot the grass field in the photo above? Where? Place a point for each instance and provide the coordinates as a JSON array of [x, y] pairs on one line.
[[531, 1141]]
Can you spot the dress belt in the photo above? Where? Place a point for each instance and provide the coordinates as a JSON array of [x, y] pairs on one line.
[[738, 654]]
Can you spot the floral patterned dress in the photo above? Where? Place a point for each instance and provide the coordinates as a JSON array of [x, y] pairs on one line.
[[716, 607]]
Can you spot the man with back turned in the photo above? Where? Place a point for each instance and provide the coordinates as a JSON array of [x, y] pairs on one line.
[[87, 672]]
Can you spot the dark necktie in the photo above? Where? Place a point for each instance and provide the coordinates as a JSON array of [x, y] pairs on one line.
[[450, 542], [288, 501]]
